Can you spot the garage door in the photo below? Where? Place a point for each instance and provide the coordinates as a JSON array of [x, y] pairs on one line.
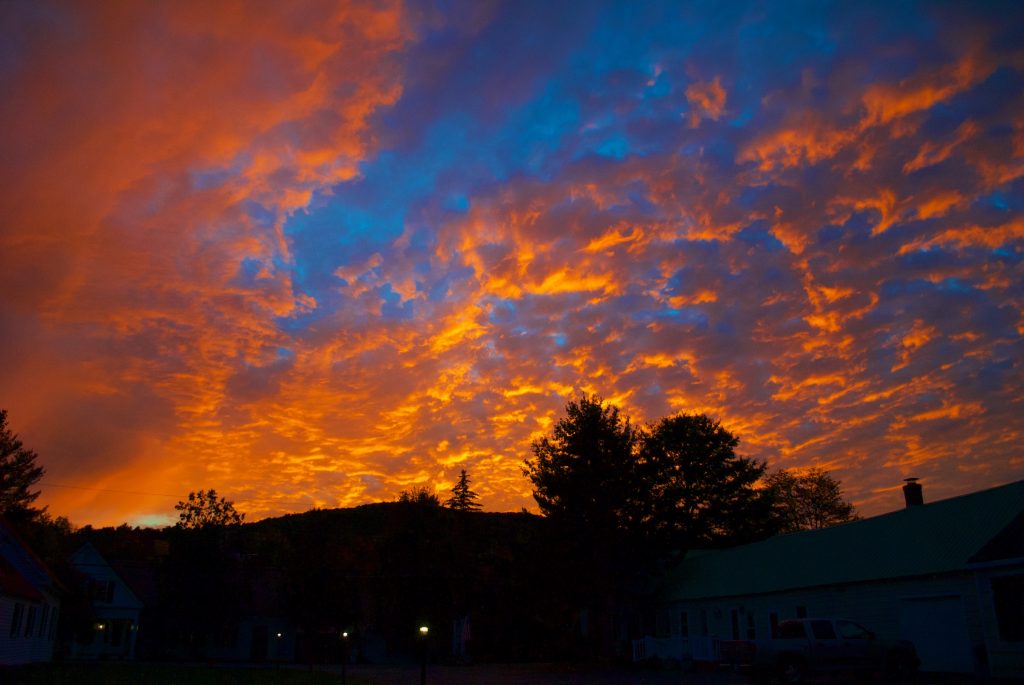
[[938, 628]]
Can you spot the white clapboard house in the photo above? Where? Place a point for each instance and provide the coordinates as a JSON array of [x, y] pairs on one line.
[[948, 575], [116, 609], [29, 602]]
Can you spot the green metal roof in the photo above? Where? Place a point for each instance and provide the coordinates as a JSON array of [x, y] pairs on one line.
[[940, 537]]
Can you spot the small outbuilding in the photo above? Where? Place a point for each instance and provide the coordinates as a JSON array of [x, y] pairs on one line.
[[948, 576]]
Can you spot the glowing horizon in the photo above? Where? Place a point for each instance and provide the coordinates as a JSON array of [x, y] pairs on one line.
[[317, 254]]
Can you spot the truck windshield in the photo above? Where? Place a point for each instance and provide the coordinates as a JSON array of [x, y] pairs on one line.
[[848, 630]]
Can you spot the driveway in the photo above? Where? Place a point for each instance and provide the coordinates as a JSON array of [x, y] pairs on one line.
[[531, 674]]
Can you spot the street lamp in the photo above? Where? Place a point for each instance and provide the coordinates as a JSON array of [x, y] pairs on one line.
[[344, 656], [424, 631]]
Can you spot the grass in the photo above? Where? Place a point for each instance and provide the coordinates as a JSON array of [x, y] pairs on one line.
[[161, 674]]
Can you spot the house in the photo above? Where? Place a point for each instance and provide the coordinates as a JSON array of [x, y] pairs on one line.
[[948, 576], [29, 602], [116, 609], [261, 632]]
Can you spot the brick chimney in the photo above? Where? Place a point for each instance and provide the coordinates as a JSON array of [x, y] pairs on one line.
[[912, 492]]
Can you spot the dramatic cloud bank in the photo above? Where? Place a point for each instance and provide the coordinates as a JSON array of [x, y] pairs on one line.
[[314, 254]]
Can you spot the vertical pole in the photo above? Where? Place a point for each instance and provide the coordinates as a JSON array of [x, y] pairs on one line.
[[344, 657], [423, 654], [423, 661]]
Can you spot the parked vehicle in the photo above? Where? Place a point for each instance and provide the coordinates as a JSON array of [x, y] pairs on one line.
[[806, 646]]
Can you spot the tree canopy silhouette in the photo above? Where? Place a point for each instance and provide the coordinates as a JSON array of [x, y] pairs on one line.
[[809, 500], [463, 498], [205, 509], [18, 474], [419, 495], [584, 473], [673, 485], [699, 491]]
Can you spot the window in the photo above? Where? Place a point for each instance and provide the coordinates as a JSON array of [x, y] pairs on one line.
[[684, 624], [16, 617], [791, 630], [751, 630], [848, 630], [773, 621], [801, 612], [53, 624], [735, 617], [823, 630], [704, 622], [30, 624], [43, 620], [1008, 600]]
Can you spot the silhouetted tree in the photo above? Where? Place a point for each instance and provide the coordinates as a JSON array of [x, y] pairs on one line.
[[203, 509], [586, 481], [584, 473], [49, 537], [18, 473], [809, 500], [673, 485], [699, 491], [463, 499], [419, 495]]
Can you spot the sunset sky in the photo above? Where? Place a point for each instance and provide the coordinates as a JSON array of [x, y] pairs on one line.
[[312, 254]]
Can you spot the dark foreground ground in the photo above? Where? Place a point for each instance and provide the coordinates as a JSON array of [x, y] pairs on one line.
[[509, 674], [562, 674]]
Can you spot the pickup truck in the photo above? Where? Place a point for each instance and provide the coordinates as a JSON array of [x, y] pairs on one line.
[[806, 646]]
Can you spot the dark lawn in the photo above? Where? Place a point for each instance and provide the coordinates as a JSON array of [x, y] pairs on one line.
[[162, 674], [510, 674], [490, 674]]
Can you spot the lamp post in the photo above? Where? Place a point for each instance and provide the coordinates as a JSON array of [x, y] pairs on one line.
[[344, 656], [424, 631]]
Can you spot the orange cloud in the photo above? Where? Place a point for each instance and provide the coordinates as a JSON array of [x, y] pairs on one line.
[[805, 137], [133, 158], [932, 153], [707, 100], [965, 237], [161, 335], [806, 140], [884, 103]]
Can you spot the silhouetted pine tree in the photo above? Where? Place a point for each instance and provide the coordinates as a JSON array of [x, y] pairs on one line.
[[463, 499], [18, 474]]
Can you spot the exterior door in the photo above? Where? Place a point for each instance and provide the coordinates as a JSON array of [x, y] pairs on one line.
[[938, 628], [258, 646]]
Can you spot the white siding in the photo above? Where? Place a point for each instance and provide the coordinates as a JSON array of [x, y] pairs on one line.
[[1006, 659], [876, 605], [22, 649], [117, 613]]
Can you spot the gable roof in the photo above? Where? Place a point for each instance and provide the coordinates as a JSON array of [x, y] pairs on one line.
[[88, 560], [24, 561], [13, 584], [940, 537]]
